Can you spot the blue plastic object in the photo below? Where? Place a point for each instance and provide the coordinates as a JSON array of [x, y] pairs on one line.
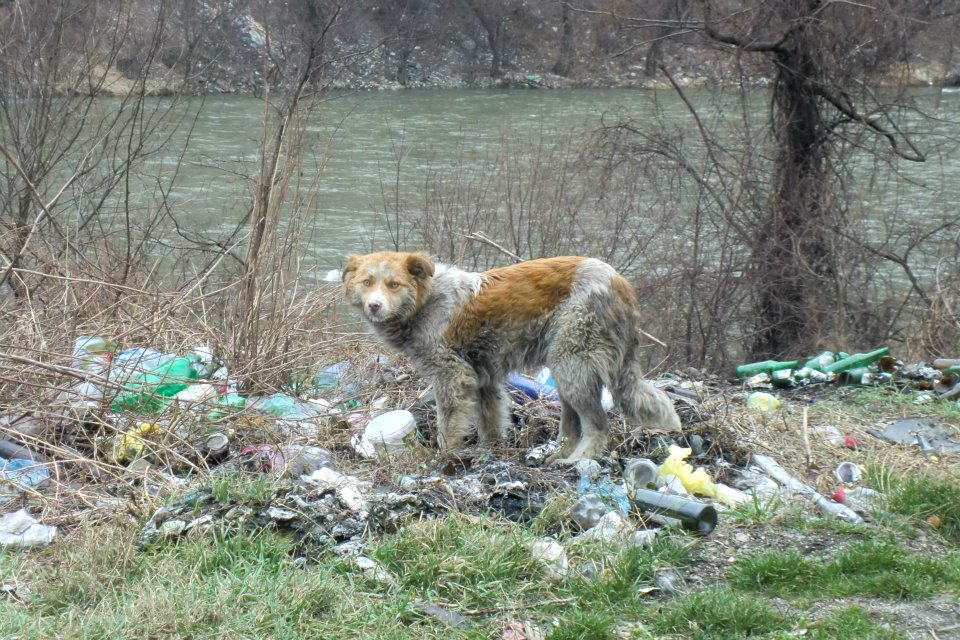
[[285, 407], [22, 474], [530, 387], [610, 492]]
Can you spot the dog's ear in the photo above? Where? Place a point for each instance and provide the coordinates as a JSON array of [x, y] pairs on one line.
[[419, 266], [353, 262]]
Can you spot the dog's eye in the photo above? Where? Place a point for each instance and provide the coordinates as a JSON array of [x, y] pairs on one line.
[[367, 282], [393, 285]]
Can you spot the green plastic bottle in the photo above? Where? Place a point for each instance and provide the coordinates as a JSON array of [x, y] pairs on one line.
[[765, 366], [226, 404], [148, 391], [817, 363], [857, 360]]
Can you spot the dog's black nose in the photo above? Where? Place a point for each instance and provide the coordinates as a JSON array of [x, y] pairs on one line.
[[374, 306]]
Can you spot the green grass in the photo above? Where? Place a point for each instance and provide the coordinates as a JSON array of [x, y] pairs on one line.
[[887, 401], [757, 510], [233, 583], [879, 568], [851, 622], [257, 489], [718, 614], [917, 497]]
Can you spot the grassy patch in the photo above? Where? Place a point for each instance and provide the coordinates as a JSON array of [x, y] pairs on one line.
[[257, 489], [242, 585], [800, 521], [888, 401], [720, 613], [852, 622], [474, 563], [878, 568], [757, 510], [919, 497], [584, 625]]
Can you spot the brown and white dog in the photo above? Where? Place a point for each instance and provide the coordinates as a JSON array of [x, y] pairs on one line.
[[466, 331]]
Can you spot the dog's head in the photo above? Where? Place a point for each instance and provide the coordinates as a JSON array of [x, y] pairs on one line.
[[387, 286]]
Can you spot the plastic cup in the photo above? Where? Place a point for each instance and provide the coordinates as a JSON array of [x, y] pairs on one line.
[[848, 473], [640, 473]]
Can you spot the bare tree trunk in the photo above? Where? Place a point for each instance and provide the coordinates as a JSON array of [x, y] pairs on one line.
[[564, 64], [792, 257]]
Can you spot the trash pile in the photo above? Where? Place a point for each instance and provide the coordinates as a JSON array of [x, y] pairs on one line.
[[940, 379], [349, 456]]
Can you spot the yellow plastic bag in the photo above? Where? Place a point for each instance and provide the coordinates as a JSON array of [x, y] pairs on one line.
[[129, 445], [697, 482]]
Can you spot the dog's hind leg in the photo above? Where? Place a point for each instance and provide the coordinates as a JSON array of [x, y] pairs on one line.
[[579, 387], [493, 414], [642, 403], [569, 435]]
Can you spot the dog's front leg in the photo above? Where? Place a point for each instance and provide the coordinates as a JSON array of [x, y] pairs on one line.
[[455, 384]]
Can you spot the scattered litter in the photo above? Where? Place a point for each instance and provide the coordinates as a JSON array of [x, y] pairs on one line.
[[22, 474], [348, 489], [763, 401], [848, 473], [587, 511], [20, 529], [695, 516], [450, 618], [216, 447], [612, 527], [150, 386], [530, 388], [640, 473], [753, 480], [828, 434], [285, 407], [778, 473], [552, 556], [696, 481], [922, 432], [129, 445], [388, 434]]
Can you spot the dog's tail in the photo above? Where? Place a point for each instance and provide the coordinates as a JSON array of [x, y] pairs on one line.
[[642, 403]]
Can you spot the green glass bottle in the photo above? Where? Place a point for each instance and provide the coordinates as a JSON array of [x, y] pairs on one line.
[[817, 363], [764, 366], [857, 360]]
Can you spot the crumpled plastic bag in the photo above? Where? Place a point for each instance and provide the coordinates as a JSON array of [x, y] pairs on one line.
[[20, 529], [696, 481], [129, 445]]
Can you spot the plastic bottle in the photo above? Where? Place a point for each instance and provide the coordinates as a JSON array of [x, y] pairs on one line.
[[92, 353], [149, 390], [857, 360], [225, 404], [946, 363], [764, 366], [819, 362]]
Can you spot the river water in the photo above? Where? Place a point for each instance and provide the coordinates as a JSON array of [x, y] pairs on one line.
[[357, 138]]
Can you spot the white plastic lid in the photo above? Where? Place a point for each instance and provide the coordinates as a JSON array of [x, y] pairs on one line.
[[390, 428]]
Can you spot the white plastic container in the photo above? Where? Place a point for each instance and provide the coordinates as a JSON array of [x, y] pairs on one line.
[[391, 432]]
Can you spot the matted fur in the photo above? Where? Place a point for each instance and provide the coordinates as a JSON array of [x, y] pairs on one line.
[[466, 331]]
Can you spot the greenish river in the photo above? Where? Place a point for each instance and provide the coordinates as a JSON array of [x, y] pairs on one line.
[[357, 138]]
